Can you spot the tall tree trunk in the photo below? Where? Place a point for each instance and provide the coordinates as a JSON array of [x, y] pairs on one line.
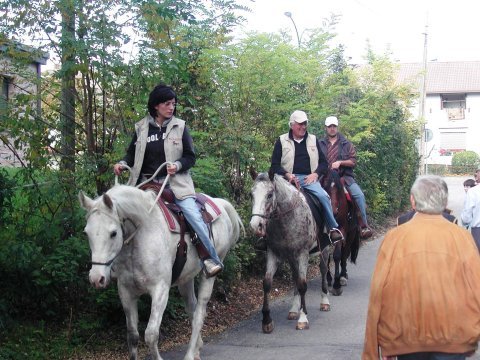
[[67, 109], [67, 114]]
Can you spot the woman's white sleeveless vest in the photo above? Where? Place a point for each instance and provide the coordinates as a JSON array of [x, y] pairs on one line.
[[288, 152], [181, 183]]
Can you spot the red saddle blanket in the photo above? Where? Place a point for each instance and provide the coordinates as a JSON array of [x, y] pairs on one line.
[[210, 211]]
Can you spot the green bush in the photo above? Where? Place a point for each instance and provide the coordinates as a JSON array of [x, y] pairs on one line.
[[465, 162]]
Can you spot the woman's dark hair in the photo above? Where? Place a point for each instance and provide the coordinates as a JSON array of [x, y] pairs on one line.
[[160, 94]]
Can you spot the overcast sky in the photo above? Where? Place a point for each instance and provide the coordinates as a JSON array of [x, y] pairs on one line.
[[453, 26]]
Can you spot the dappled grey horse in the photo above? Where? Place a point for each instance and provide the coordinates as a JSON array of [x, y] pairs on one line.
[[129, 237], [281, 214]]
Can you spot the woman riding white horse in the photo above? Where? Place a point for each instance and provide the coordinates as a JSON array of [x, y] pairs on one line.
[[161, 137]]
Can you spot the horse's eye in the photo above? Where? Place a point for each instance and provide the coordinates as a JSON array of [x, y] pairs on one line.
[[269, 196], [113, 234]]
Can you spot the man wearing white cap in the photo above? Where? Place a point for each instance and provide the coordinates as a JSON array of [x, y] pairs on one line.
[[342, 156], [297, 157]]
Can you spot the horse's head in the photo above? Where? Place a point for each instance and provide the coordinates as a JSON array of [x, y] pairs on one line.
[[263, 203], [105, 236]]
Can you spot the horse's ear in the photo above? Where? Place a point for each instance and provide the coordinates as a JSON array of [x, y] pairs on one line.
[[107, 200], [253, 172], [85, 201], [271, 174]]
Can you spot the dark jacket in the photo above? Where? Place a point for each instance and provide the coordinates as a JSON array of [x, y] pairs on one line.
[[402, 219], [346, 151]]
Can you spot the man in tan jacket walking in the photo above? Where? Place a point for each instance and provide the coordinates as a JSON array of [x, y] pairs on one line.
[[425, 291]]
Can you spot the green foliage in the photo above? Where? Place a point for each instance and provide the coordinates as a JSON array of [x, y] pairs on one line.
[[465, 162]]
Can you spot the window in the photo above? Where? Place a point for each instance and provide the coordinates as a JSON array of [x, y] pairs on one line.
[[453, 141], [454, 105], [4, 97]]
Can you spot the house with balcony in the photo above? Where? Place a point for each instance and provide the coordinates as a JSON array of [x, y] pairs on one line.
[[451, 106], [20, 73]]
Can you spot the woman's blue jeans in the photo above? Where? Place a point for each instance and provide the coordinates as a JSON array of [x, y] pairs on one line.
[[194, 218]]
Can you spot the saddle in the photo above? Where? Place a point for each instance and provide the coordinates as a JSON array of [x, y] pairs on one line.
[[177, 223], [317, 212]]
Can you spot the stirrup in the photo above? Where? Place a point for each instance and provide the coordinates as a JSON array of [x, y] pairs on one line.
[[335, 235]]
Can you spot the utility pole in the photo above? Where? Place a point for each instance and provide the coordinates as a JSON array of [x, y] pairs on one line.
[[421, 104]]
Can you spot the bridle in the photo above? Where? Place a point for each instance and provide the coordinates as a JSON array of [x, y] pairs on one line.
[[126, 241]]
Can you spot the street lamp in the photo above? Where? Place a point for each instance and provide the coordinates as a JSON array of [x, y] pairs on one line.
[[289, 15]]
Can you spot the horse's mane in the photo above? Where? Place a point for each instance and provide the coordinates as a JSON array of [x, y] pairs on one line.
[[130, 200], [335, 177], [282, 187]]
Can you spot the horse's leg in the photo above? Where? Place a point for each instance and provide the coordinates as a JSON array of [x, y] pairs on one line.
[[159, 295], [204, 294], [343, 268], [187, 291], [129, 304], [272, 266], [337, 256], [324, 271], [329, 274], [301, 272], [295, 308]]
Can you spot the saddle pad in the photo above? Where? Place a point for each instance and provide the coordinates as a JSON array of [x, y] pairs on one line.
[[201, 200], [345, 189]]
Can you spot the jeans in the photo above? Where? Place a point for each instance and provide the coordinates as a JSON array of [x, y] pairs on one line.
[[316, 189], [431, 356], [194, 218], [359, 198]]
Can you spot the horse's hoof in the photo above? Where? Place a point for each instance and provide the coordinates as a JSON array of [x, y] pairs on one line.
[[302, 326], [292, 315], [343, 281], [337, 292], [268, 328], [324, 307]]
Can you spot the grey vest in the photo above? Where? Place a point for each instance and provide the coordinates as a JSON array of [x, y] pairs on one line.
[[288, 152], [181, 183]]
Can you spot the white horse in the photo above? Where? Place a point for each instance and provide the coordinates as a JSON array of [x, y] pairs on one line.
[[130, 240]]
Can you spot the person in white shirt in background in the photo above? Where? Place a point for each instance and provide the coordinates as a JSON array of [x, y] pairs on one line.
[[471, 210]]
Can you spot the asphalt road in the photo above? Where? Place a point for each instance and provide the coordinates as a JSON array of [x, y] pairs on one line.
[[337, 334]]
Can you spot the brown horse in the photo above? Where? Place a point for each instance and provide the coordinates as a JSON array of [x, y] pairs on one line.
[[346, 214]]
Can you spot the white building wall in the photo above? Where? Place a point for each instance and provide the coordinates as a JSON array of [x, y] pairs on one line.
[[473, 122], [462, 132]]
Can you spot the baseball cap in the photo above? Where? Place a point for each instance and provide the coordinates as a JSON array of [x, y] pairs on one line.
[[331, 120], [298, 116]]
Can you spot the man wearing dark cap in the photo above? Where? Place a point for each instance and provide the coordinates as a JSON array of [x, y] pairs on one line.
[[297, 157], [342, 156]]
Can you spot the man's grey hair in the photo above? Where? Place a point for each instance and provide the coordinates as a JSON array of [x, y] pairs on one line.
[[430, 193]]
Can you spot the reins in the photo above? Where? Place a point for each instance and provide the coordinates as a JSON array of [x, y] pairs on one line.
[[130, 237], [125, 241]]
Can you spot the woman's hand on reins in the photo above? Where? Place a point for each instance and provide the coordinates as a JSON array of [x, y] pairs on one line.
[[171, 169], [118, 168]]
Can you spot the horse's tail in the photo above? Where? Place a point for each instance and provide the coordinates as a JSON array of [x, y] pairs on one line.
[[355, 247], [235, 219]]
